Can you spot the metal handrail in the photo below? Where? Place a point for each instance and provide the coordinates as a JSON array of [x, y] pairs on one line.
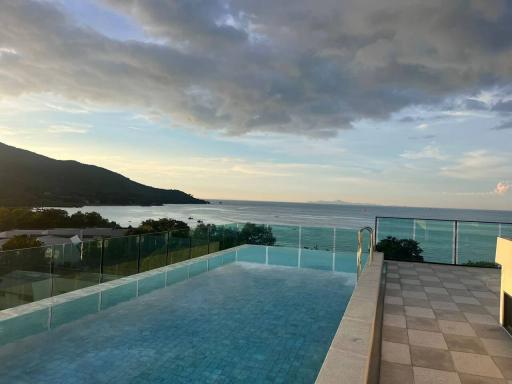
[[371, 247]]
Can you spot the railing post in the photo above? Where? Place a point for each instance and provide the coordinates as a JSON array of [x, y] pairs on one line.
[[139, 239], [376, 228], [102, 253], [208, 237], [300, 246], [52, 271], [455, 242], [334, 249], [189, 246], [167, 248]]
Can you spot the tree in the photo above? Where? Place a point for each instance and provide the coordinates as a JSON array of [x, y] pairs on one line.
[[26, 218], [178, 228], [21, 241], [400, 249], [258, 234]]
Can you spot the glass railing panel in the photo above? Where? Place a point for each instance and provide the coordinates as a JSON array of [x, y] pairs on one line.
[[25, 276], [395, 227], [153, 251], [346, 240], [317, 245], [120, 257], [179, 248], [436, 238], [285, 247], [476, 242], [505, 230], [199, 241], [345, 246], [225, 235], [76, 266]]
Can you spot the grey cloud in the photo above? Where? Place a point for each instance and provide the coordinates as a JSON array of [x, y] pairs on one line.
[[503, 106], [311, 67]]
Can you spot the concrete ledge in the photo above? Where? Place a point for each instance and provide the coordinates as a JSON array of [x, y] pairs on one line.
[[354, 355]]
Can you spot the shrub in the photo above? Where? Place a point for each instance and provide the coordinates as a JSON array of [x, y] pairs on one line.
[[400, 249], [482, 264], [21, 241]]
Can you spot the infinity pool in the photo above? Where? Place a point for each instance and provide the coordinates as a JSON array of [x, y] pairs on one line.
[[243, 322]]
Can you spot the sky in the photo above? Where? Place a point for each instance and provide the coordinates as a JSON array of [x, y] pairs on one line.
[[396, 102]]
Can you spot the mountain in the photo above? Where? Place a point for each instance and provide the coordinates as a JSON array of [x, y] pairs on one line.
[[29, 179]]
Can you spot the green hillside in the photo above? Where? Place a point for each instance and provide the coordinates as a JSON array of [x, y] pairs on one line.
[[29, 179]]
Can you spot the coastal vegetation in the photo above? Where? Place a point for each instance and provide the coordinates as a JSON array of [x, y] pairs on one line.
[[26, 218], [400, 249], [21, 242]]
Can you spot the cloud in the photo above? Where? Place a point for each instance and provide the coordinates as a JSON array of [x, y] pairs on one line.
[[302, 67], [60, 128], [480, 164], [428, 152], [502, 188]]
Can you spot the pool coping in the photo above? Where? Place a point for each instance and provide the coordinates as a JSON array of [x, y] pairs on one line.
[[354, 354]]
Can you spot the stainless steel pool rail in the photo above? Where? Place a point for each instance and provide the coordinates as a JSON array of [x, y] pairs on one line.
[[371, 248]]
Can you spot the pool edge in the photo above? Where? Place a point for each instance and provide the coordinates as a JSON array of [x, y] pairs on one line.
[[354, 354]]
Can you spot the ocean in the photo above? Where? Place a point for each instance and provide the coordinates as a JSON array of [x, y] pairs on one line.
[[305, 214], [471, 242]]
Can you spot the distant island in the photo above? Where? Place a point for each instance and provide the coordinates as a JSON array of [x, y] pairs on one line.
[[32, 180]]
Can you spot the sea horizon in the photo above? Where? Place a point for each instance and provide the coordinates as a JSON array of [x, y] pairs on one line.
[[345, 215]]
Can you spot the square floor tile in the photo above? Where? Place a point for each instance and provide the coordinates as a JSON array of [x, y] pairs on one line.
[[434, 376], [485, 295], [414, 294], [454, 285], [449, 315], [393, 300], [490, 331], [412, 302], [394, 320], [422, 324], [498, 347], [439, 297], [419, 312], [475, 364], [472, 379], [431, 358], [426, 339], [438, 290], [505, 366], [471, 308], [396, 353], [456, 328], [410, 281], [393, 309], [444, 305], [465, 300], [392, 373], [465, 344], [429, 277], [480, 318], [395, 334]]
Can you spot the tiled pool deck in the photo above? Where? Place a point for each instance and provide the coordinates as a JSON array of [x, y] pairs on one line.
[[441, 326]]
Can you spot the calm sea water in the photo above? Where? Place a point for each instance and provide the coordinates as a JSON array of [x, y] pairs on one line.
[[325, 215]]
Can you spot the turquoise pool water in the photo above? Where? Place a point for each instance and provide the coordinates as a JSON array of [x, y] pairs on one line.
[[241, 322]]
